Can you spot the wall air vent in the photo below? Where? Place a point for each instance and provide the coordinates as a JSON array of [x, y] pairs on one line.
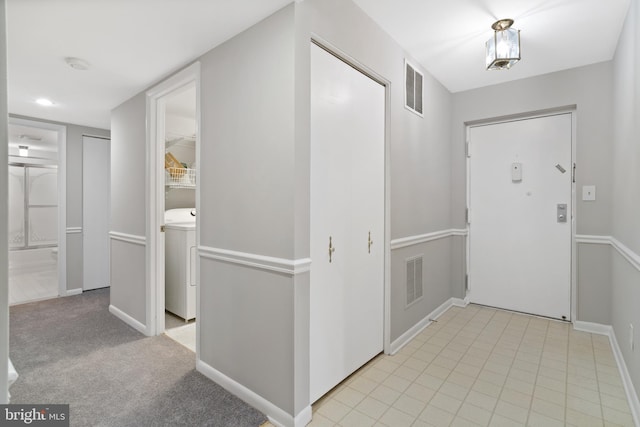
[[413, 88], [414, 279]]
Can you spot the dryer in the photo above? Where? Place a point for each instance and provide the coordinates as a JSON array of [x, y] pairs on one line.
[[180, 262]]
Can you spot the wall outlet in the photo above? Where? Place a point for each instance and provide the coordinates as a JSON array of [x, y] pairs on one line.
[[631, 336]]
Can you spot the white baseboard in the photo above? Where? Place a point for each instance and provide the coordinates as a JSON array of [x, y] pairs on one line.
[[276, 415], [459, 302], [302, 419], [138, 326], [405, 338], [594, 328], [632, 396], [76, 291]]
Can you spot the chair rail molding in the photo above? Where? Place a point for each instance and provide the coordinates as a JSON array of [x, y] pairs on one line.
[[280, 265], [404, 242], [626, 252], [128, 238]]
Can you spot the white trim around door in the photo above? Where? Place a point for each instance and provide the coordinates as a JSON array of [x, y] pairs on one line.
[[154, 187]]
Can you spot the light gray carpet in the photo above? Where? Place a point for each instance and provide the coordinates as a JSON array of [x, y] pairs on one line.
[[72, 350]]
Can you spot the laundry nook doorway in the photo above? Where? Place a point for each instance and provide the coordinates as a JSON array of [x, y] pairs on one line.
[[173, 198]]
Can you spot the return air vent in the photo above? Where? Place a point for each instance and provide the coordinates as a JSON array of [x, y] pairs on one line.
[[413, 88], [414, 279]]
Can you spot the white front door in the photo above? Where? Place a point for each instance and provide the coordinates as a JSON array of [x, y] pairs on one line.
[[95, 212], [347, 212], [519, 235]]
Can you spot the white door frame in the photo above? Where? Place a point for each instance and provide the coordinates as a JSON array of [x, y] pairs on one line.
[[155, 191], [335, 51], [571, 109], [62, 195]]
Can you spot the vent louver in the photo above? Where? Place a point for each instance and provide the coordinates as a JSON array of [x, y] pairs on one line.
[[413, 89]]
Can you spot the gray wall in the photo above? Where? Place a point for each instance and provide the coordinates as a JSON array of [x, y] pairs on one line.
[[4, 195], [247, 104], [625, 279], [589, 89], [128, 206], [419, 152], [255, 192], [247, 316], [74, 194]]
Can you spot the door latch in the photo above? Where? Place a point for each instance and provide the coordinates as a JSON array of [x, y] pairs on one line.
[[162, 228], [562, 212]]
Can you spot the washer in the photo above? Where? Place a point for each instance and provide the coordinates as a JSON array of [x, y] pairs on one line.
[[180, 262]]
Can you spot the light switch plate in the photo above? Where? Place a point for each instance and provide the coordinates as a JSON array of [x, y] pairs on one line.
[[588, 192], [516, 172]]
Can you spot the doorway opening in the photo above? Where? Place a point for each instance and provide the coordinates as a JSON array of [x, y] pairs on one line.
[[37, 214], [173, 200], [180, 216]]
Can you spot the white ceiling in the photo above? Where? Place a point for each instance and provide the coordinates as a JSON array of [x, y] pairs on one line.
[[34, 138], [447, 37], [132, 44]]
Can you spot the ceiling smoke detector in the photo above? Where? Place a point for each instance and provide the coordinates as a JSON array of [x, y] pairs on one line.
[[77, 63]]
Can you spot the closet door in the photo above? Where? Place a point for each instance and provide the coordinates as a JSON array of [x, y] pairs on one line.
[[347, 220], [95, 212]]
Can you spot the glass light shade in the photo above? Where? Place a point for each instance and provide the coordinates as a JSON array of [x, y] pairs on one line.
[[503, 49]]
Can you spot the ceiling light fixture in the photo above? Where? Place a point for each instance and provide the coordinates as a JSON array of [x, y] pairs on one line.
[[23, 150], [44, 102], [77, 63], [29, 137], [503, 49]]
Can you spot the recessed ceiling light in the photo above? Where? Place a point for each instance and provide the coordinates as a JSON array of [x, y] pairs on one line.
[[44, 102], [29, 137], [77, 63]]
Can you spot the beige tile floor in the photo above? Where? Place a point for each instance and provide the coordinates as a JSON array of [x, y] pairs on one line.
[[185, 335], [479, 366]]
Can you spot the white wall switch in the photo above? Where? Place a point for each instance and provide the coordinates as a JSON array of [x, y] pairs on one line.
[[516, 172], [588, 192]]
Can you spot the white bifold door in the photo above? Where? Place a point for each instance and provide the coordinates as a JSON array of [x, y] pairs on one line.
[[95, 212], [347, 220], [520, 200]]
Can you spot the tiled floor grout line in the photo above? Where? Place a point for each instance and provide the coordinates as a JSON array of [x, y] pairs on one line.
[[546, 334], [597, 374], [485, 363], [566, 379]]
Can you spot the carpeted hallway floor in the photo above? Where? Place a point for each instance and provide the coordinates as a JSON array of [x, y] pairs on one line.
[[72, 350]]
